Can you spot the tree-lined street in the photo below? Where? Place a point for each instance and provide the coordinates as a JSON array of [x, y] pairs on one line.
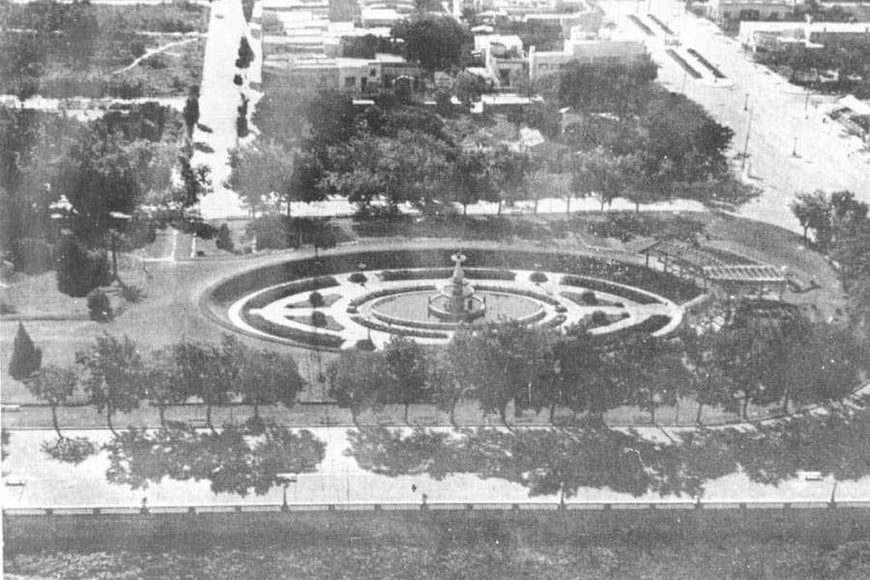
[[791, 148]]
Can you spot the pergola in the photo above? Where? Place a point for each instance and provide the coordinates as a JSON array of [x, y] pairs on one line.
[[681, 256], [747, 279]]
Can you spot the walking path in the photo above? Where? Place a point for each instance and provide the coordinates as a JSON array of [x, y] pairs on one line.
[[218, 103], [152, 52], [43, 483]]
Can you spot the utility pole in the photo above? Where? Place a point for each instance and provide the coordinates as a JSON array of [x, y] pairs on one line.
[[746, 143], [746, 103]]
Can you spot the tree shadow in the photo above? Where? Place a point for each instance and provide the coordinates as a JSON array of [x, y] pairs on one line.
[[238, 459], [562, 460]]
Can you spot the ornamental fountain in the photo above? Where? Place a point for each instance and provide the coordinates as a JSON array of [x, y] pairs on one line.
[[456, 302]]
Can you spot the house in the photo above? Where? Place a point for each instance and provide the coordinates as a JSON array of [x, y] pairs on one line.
[[728, 13], [779, 35], [586, 51]]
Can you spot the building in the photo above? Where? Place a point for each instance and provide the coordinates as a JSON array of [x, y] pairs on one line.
[[779, 35], [728, 13], [586, 51]]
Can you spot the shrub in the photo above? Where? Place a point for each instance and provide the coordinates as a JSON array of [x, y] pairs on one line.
[[224, 238], [199, 228], [358, 278], [137, 48], [588, 297], [315, 299], [318, 319], [538, 277], [599, 318], [80, 270], [237, 80], [26, 357], [99, 307], [6, 308], [365, 344]]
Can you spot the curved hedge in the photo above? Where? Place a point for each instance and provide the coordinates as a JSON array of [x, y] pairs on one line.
[[429, 273], [661, 283], [615, 289], [311, 338], [265, 298], [415, 332]]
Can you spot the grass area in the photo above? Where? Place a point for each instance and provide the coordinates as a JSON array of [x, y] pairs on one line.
[[169, 312], [482, 547], [61, 51]]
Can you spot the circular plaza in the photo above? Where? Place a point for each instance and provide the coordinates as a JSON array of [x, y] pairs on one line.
[[336, 301]]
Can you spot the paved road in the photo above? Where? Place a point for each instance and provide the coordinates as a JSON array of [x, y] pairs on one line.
[[218, 103], [826, 158], [338, 480]]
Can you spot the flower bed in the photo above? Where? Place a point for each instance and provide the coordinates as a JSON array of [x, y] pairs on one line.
[[295, 334], [604, 286], [267, 297], [584, 300], [418, 333]]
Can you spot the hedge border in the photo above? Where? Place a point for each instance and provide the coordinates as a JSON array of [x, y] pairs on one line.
[[258, 322], [400, 330], [598, 285]]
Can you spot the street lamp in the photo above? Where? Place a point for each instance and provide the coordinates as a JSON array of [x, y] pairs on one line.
[[285, 479]]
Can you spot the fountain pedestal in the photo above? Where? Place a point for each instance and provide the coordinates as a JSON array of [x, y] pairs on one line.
[[456, 301]]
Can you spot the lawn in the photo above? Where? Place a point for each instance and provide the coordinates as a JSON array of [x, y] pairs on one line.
[[37, 59], [58, 323], [480, 547]]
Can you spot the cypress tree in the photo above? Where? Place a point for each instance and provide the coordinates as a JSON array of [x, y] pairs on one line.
[[26, 358]]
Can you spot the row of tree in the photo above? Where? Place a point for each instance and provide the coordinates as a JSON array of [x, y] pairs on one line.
[[116, 377], [792, 363], [587, 454]]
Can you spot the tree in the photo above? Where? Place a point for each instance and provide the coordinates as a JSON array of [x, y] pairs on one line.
[[79, 270], [246, 54], [406, 370], [54, 385], [468, 87], [267, 378], [191, 110], [356, 381], [442, 379], [508, 172], [813, 211], [208, 371], [159, 375], [26, 357], [262, 174], [100, 179], [113, 378], [411, 167], [224, 240], [471, 178], [598, 173], [436, 42]]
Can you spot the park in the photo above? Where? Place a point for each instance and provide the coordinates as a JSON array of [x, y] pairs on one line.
[[447, 336]]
